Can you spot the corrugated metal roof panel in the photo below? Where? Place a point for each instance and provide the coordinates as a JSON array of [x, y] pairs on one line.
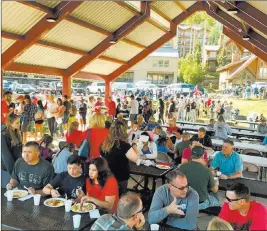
[[260, 5], [134, 4], [168, 8], [105, 14], [102, 67], [6, 43], [18, 18], [122, 51], [48, 57], [72, 35], [159, 20], [51, 4], [145, 34]]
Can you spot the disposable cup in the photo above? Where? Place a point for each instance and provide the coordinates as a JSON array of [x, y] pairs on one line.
[[76, 221], [215, 178], [68, 204], [36, 199], [9, 195], [219, 173], [154, 227]]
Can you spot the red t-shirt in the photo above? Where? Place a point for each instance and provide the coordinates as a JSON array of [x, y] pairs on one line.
[[76, 137], [187, 154], [112, 108], [97, 107], [96, 137], [172, 129], [4, 110], [256, 219], [110, 189]]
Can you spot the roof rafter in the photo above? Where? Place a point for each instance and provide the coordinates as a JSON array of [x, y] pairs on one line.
[[124, 30], [38, 6], [134, 43], [88, 75], [35, 33], [249, 14], [12, 36], [154, 46]]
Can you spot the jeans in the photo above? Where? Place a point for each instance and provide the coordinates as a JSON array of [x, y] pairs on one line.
[[51, 125], [123, 187], [193, 115], [211, 201], [5, 178]]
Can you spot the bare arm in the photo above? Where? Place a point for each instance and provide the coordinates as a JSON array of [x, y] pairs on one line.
[[132, 154]]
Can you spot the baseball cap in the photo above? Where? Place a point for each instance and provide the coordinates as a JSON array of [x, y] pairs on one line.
[[197, 152], [163, 134]]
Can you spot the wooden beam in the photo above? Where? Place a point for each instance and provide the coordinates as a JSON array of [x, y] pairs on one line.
[[112, 60], [87, 75], [233, 24], [62, 48], [12, 36], [248, 14], [88, 25], [180, 5], [123, 31], [160, 13], [37, 6], [35, 33], [246, 44], [134, 43], [25, 68]]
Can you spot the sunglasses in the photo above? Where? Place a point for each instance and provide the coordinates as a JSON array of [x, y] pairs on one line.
[[231, 200], [140, 211], [181, 188]]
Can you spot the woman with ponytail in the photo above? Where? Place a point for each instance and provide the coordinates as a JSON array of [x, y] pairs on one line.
[[11, 142]]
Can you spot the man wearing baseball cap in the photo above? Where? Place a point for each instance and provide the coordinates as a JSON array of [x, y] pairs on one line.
[[201, 179]]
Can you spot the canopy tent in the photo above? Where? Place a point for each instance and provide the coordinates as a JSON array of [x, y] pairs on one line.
[[103, 39]]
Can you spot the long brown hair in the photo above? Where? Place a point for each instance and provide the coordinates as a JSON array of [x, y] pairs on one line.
[[14, 134], [117, 133]]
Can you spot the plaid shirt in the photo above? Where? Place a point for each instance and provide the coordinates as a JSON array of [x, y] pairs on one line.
[[110, 222], [29, 111]]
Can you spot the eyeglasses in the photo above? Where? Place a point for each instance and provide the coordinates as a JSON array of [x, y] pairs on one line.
[[181, 188], [140, 211], [231, 200]]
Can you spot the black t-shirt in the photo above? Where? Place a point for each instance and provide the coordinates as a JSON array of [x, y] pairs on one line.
[[117, 160], [193, 105], [83, 109], [187, 107], [68, 184], [35, 176], [67, 104]]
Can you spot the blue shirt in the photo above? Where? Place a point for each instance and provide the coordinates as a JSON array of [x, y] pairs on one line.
[[228, 165], [150, 127], [60, 161]]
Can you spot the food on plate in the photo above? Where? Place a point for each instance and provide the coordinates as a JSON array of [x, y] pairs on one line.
[[19, 194], [55, 202], [162, 166], [85, 208]]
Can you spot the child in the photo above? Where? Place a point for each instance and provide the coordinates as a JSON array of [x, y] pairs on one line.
[[210, 126]]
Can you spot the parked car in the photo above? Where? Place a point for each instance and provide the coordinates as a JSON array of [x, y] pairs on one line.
[[96, 88], [183, 88], [7, 85], [259, 84], [54, 87], [149, 86], [25, 89], [139, 83], [129, 88], [78, 89]]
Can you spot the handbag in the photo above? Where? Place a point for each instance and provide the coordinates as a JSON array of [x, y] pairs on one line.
[[84, 150]]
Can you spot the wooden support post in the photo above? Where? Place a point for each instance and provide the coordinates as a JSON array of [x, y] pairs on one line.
[[66, 86], [107, 90]]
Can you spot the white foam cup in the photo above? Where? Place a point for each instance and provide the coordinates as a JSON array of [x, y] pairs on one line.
[[9, 195], [68, 204], [219, 173], [154, 227], [36, 199], [76, 221]]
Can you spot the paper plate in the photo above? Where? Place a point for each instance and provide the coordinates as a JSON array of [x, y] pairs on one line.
[[18, 193], [162, 166], [86, 206], [54, 202]]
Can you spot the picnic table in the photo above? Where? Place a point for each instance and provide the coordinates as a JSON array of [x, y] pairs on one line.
[[257, 188], [148, 171], [24, 215], [242, 146]]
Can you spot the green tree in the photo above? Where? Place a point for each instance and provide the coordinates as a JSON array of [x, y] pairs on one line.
[[197, 52], [222, 57]]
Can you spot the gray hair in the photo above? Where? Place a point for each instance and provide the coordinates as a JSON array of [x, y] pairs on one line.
[[128, 205], [173, 174]]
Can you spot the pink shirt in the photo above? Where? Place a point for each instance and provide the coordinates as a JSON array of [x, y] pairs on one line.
[[187, 154]]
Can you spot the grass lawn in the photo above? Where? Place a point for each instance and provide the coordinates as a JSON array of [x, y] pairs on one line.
[[248, 106]]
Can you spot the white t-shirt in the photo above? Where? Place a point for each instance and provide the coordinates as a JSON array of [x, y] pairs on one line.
[[52, 109], [134, 107]]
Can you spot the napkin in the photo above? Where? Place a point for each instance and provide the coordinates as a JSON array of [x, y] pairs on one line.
[[94, 213], [26, 198]]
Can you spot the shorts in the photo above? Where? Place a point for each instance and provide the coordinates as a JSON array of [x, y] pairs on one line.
[[65, 119], [133, 117], [39, 121], [26, 126]]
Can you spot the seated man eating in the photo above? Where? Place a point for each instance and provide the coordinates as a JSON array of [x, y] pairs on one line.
[[67, 182], [176, 202], [229, 162], [31, 171]]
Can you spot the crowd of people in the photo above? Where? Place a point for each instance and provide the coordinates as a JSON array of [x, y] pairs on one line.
[[101, 176]]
